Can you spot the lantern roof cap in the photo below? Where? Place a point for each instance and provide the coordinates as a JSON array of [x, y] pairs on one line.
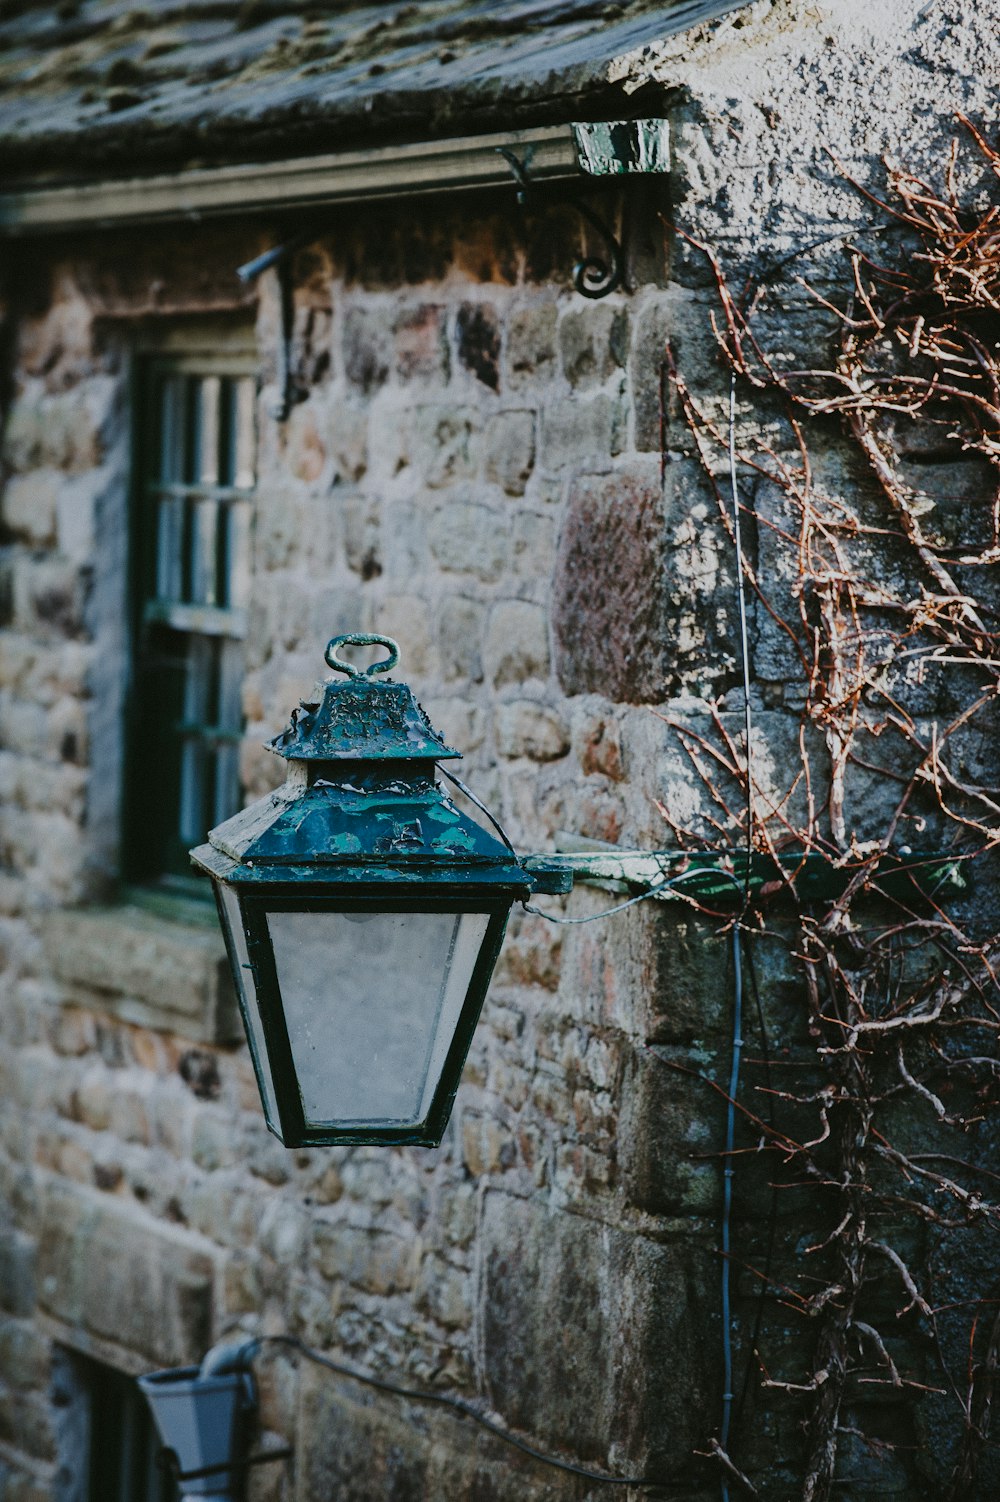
[[361, 719]]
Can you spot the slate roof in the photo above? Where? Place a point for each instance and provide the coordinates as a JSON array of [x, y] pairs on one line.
[[97, 86]]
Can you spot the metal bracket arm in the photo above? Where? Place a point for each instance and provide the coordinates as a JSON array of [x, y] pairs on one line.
[[167, 1460], [710, 877]]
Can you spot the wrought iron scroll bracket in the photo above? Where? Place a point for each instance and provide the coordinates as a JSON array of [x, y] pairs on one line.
[[593, 276]]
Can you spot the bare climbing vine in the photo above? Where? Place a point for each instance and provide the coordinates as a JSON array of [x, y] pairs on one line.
[[885, 599]]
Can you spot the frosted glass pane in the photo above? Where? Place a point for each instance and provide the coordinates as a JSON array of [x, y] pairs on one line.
[[248, 1000], [372, 1001]]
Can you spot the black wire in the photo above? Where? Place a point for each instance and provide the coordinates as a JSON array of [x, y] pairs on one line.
[[482, 808], [772, 1217], [458, 1405]]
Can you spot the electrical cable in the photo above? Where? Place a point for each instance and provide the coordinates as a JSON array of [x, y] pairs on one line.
[[727, 1199], [445, 1400], [482, 809], [772, 1217], [728, 1395]]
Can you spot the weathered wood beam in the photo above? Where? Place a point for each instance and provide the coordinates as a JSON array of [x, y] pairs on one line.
[[384, 172]]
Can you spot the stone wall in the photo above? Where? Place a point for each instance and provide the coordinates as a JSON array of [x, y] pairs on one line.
[[482, 468]]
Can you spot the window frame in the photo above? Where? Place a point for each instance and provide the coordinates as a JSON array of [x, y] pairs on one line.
[[203, 349], [112, 1446]]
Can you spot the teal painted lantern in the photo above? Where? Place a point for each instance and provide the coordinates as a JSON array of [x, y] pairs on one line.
[[363, 915]]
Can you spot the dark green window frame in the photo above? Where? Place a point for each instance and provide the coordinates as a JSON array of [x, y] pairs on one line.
[[123, 1444], [194, 462]]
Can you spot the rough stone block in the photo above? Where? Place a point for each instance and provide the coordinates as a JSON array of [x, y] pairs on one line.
[[305, 446], [652, 398], [509, 450], [24, 1354], [28, 506], [575, 432], [477, 330], [162, 974], [597, 738], [584, 1329], [17, 1273], [460, 633], [609, 607], [774, 653], [468, 538], [525, 728], [487, 1147], [367, 345], [377, 1262], [48, 597], [533, 543], [421, 344], [110, 1269], [593, 343], [406, 618], [462, 724], [530, 957], [347, 438], [446, 444], [517, 643], [531, 344], [445, 1293], [671, 1129], [362, 519], [66, 431], [355, 1451], [78, 506]]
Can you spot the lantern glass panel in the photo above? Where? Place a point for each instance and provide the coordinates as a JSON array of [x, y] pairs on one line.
[[372, 1001], [246, 992]]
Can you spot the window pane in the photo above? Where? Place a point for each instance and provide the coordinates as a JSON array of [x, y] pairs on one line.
[[172, 445], [123, 1440], [248, 999], [372, 1001], [236, 521], [194, 545], [170, 509], [204, 540], [206, 461], [244, 431]]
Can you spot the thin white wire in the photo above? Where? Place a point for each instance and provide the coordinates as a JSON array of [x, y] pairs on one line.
[[737, 1042]]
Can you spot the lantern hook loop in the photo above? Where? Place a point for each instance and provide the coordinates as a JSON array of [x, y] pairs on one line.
[[361, 639]]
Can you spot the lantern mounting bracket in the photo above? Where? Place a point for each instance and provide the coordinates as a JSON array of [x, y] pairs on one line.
[[709, 877]]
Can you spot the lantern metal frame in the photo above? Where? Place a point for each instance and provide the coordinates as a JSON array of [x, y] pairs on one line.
[[291, 1126], [361, 826]]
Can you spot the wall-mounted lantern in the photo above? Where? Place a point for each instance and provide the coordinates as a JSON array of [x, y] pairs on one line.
[[364, 912], [363, 915], [201, 1414]]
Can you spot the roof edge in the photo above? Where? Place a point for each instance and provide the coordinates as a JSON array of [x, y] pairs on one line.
[[593, 149]]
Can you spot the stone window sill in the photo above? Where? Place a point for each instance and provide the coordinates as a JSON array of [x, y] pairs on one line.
[[169, 973]]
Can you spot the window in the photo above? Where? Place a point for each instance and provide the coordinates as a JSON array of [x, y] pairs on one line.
[[194, 477], [106, 1437]]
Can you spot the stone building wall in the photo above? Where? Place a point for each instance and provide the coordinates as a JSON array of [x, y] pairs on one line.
[[482, 468]]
